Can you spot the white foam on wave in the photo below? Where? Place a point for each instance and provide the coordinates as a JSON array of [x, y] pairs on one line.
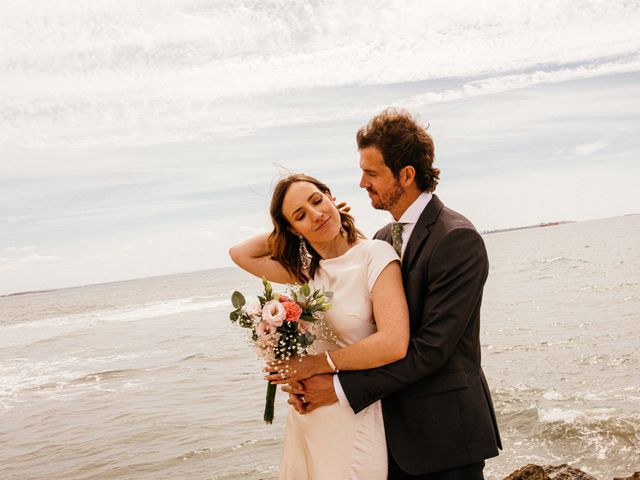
[[553, 395], [39, 330], [54, 375], [559, 415], [573, 416]]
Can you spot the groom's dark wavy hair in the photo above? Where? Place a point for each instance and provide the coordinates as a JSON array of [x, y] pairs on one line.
[[284, 244], [403, 142]]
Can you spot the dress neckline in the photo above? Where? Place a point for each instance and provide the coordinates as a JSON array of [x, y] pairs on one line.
[[324, 260]]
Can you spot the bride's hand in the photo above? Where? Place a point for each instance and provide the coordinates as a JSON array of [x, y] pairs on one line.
[[294, 369]]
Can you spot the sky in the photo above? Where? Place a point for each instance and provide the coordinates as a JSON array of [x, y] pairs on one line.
[[141, 137]]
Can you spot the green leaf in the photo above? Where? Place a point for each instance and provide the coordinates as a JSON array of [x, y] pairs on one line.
[[234, 316], [237, 299], [305, 290]]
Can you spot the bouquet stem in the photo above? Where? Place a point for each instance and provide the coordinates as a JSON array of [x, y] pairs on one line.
[[270, 400]]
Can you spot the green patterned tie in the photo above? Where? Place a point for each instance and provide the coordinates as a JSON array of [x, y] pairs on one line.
[[396, 237]]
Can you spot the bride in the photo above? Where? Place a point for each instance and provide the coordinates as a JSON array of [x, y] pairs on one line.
[[312, 241]]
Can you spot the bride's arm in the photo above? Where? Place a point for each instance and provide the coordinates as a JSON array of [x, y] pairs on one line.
[[387, 345], [254, 256]]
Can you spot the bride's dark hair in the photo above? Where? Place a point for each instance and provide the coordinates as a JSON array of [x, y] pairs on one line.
[[284, 244]]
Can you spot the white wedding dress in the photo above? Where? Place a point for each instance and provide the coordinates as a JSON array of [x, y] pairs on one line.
[[331, 442]]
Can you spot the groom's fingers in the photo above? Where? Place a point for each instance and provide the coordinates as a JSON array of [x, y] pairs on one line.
[[296, 402], [310, 407], [343, 207], [295, 388]]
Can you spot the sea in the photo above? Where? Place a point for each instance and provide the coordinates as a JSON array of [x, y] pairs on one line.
[[148, 379]]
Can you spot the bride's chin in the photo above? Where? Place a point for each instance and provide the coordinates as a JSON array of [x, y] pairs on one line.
[[330, 235]]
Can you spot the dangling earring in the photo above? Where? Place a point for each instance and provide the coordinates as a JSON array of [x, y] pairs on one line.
[[305, 260]]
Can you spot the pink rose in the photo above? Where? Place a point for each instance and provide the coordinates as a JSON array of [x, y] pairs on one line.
[[283, 298], [274, 313], [263, 328], [293, 311]]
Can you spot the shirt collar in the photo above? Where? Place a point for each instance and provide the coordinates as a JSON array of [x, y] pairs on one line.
[[412, 214]]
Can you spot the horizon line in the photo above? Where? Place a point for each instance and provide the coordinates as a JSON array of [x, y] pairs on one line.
[[483, 232]]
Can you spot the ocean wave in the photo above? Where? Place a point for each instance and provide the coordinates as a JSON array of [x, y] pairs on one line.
[[45, 329], [105, 375], [590, 426], [26, 375], [560, 415], [562, 259]]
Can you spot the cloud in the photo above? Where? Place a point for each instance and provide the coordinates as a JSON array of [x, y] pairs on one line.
[[505, 83], [36, 258], [249, 231], [70, 93], [585, 149], [125, 249], [19, 249], [210, 235]]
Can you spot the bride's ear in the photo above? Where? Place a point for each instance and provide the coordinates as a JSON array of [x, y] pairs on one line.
[[292, 231]]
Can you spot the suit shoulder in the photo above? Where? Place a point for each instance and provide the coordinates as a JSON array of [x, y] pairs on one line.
[[384, 232], [456, 228], [452, 220]]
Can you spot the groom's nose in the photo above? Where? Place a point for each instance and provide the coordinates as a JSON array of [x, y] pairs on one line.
[[363, 182]]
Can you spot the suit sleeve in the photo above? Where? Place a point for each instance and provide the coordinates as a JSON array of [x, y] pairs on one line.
[[457, 271]]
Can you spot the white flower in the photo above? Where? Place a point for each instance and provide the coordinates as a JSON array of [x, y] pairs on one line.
[[274, 313], [265, 346], [305, 326], [254, 309]]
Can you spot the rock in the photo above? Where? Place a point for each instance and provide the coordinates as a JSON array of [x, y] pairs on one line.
[[565, 472], [529, 472], [635, 476], [557, 472]]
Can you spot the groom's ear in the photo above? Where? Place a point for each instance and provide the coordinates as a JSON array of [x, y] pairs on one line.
[[407, 175]]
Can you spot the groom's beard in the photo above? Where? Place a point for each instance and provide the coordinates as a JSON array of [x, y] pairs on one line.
[[389, 199]]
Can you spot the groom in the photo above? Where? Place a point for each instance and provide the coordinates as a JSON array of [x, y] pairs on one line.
[[438, 415]]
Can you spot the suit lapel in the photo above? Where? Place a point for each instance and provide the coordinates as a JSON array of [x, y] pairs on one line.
[[420, 232]]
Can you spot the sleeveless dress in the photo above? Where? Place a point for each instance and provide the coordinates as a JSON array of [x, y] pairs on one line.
[[332, 442]]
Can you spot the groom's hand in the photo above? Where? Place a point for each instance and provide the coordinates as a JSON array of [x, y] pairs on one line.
[[342, 207], [311, 393], [296, 394], [318, 392]]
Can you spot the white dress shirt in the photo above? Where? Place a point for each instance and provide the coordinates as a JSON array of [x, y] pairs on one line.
[[409, 218]]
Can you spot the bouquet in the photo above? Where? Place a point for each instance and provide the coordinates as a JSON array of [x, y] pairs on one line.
[[282, 326]]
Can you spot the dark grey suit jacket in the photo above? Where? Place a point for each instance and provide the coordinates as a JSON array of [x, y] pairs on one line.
[[438, 412]]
